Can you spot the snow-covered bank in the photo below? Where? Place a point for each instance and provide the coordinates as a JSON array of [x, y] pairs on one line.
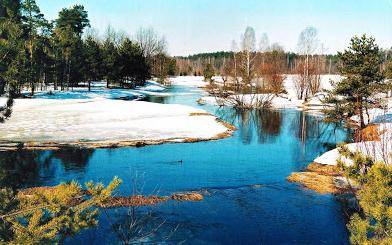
[[281, 101], [379, 150], [194, 81], [106, 123], [278, 102]]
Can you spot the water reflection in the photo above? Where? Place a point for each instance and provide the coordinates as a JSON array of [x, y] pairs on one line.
[[72, 158], [18, 168], [24, 168], [262, 125], [266, 125], [156, 99], [269, 124]]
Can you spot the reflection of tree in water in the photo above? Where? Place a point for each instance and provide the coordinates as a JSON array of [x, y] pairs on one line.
[[264, 123], [156, 99], [313, 132], [71, 158], [312, 128], [140, 224], [269, 122], [245, 121], [19, 168]]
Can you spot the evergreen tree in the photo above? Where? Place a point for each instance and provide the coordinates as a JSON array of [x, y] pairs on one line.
[[49, 215], [110, 61], [33, 21], [361, 69], [44, 59], [68, 31], [10, 33], [373, 224], [208, 72], [93, 60], [133, 64]]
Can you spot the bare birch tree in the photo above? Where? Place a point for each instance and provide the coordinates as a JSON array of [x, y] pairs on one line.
[[248, 54], [264, 44], [307, 45]]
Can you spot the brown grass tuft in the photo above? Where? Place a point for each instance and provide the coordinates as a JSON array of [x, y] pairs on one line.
[[320, 183], [324, 169], [200, 101], [133, 201], [370, 133], [227, 125], [321, 178], [200, 114], [187, 197]]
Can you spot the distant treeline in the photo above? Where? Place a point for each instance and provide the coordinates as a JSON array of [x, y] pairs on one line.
[[196, 63]]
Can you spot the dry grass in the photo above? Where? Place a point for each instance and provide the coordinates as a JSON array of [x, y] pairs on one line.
[[200, 114], [227, 125], [133, 201], [370, 133], [200, 101], [324, 169], [321, 178], [320, 183], [193, 196]]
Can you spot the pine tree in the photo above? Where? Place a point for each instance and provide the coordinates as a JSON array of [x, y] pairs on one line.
[[10, 34], [68, 31], [208, 72], [33, 21], [93, 60], [133, 64], [49, 215], [361, 69], [373, 224]]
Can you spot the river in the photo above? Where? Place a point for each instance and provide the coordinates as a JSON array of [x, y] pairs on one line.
[[247, 199]]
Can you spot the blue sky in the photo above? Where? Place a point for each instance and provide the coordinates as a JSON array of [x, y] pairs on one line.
[[193, 26]]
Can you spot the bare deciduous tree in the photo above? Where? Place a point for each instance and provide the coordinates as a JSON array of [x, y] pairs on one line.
[[248, 54], [264, 44], [307, 45], [272, 69], [150, 42]]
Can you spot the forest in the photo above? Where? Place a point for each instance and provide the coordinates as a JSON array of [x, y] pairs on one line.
[[67, 53]]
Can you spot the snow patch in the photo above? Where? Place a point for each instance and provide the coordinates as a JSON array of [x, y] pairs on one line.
[[193, 81], [72, 120]]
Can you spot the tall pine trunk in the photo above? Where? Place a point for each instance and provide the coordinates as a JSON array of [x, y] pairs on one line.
[[360, 111]]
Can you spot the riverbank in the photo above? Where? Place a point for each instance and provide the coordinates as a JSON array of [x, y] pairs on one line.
[[105, 123], [324, 175], [286, 100], [322, 179]]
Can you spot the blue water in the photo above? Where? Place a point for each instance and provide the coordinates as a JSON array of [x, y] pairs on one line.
[[247, 199]]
